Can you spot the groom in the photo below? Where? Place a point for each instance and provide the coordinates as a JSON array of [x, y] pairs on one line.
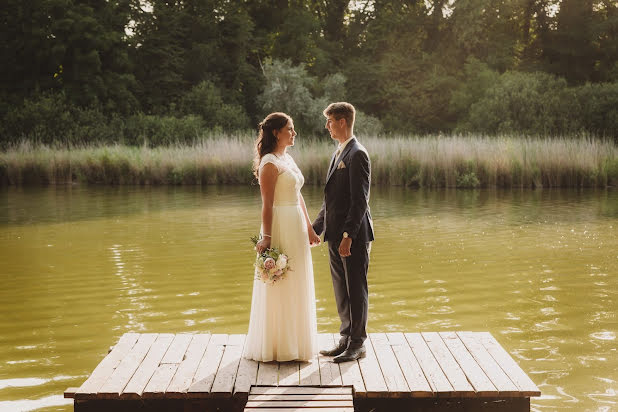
[[346, 223]]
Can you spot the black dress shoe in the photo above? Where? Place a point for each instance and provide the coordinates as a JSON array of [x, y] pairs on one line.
[[351, 354], [337, 350]]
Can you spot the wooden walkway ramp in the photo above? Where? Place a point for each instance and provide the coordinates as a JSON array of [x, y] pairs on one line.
[[204, 369], [300, 398]]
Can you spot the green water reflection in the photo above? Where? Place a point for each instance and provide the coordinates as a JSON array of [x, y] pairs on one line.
[[81, 266]]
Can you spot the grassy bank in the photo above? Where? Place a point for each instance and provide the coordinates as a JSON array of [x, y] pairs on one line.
[[434, 161]]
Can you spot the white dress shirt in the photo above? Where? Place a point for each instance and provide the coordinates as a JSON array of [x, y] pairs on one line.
[[343, 145]]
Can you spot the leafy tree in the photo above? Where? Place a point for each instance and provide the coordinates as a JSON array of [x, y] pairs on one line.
[[607, 32], [158, 54], [241, 81], [287, 90], [27, 63], [537, 103], [89, 45], [573, 52], [292, 90], [416, 65], [487, 30], [477, 79], [205, 100], [76, 46]]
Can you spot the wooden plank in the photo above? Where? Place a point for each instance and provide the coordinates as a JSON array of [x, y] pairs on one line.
[[246, 376], [330, 374], [223, 385], [70, 392], [149, 365], [310, 372], [440, 385], [268, 373], [207, 369], [375, 384], [186, 370], [107, 366], [508, 365], [160, 380], [449, 365], [351, 374], [127, 367], [299, 404], [393, 375], [480, 382], [300, 390], [178, 348], [491, 368], [412, 371], [301, 397], [289, 373]]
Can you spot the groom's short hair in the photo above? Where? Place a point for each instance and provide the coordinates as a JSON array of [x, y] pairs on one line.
[[341, 110]]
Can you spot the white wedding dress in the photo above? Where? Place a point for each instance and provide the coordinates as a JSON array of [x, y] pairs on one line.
[[282, 325]]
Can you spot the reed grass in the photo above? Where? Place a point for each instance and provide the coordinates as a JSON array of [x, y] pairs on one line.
[[429, 161]]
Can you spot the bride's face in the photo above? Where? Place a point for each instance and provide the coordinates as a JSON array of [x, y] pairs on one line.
[[286, 134]]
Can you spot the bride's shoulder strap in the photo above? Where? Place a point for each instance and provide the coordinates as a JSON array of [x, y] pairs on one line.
[[269, 158]]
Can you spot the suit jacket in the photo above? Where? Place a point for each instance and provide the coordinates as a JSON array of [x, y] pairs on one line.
[[346, 196]]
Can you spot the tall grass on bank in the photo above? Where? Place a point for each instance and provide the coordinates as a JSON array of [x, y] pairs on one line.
[[434, 161]]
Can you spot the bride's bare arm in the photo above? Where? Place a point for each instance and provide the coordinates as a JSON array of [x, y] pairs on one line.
[[314, 239], [302, 204], [268, 179]]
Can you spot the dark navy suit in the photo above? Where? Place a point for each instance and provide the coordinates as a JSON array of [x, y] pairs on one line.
[[346, 209]]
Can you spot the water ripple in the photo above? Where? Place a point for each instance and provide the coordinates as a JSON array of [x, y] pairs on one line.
[[82, 266]]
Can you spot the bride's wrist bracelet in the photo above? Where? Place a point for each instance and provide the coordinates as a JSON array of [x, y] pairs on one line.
[[265, 235]]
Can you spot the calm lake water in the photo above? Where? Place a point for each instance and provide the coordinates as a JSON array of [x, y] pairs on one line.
[[80, 266]]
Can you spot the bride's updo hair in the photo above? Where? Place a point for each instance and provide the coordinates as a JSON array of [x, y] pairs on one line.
[[266, 141]]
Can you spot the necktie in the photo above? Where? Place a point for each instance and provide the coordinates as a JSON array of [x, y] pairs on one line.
[[337, 153]]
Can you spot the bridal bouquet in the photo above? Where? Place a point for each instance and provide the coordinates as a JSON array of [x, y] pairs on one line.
[[272, 264]]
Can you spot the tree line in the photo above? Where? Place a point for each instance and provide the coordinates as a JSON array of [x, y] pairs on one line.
[[158, 72]]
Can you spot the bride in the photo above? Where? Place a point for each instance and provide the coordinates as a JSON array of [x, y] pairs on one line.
[[282, 325]]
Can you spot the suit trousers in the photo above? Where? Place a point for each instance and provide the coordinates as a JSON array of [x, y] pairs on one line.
[[349, 276]]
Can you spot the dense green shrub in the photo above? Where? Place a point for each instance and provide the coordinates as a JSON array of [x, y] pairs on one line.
[[51, 119], [205, 100], [151, 130], [524, 102], [45, 119], [532, 103], [597, 108], [484, 101]]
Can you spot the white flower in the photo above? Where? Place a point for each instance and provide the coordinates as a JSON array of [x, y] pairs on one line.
[[282, 261]]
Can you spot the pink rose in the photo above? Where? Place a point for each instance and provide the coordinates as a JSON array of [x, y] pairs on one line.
[[278, 273], [269, 263]]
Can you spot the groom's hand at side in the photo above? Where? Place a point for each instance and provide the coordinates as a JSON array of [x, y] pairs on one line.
[[344, 247]]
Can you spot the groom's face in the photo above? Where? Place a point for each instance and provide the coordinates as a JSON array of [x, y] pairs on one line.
[[335, 127]]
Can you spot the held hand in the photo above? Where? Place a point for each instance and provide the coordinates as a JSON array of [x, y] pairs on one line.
[[344, 247], [314, 239], [262, 245]]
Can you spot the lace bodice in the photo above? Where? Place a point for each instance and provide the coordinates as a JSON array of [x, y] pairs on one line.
[[290, 179]]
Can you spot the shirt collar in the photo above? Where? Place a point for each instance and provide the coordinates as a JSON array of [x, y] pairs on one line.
[[344, 144]]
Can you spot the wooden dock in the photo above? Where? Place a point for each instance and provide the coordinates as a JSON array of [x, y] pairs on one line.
[[402, 371]]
